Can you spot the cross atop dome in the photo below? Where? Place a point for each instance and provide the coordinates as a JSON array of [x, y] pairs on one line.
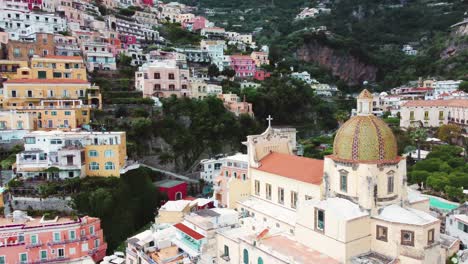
[[269, 119]]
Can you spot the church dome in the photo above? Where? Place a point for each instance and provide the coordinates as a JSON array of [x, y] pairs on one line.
[[365, 138]]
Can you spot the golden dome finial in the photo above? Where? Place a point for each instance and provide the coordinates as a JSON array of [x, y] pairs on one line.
[[365, 94]]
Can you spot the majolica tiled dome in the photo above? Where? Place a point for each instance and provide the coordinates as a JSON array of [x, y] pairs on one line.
[[365, 138]]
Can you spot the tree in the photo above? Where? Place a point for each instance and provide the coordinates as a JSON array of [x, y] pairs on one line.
[[437, 181], [463, 86], [213, 70], [454, 193], [229, 72], [341, 116], [419, 177], [418, 136], [449, 132]]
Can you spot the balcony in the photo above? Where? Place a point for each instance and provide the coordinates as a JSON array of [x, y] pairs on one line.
[[34, 245], [63, 242], [51, 260]]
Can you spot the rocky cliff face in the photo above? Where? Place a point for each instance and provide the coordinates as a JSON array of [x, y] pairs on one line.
[[347, 67], [456, 43]]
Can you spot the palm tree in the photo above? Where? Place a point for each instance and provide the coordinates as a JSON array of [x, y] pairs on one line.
[[418, 136]]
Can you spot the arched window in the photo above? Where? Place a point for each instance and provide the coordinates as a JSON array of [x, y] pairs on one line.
[[94, 166], [109, 166], [260, 260], [93, 153], [109, 153], [246, 256]]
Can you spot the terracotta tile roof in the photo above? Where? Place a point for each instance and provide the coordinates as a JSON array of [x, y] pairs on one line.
[[294, 167], [429, 103], [189, 231], [66, 81]]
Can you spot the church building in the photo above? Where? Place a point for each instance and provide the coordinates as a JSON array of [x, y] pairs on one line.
[[352, 207]]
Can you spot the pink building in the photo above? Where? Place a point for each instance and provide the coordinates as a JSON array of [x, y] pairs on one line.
[[24, 239], [261, 75], [162, 79], [233, 103], [243, 65], [196, 23], [128, 39], [147, 2]]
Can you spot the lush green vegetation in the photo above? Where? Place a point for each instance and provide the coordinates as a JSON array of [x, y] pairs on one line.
[[290, 102], [123, 204], [373, 31], [444, 172], [318, 147], [6, 163], [193, 127], [177, 36]]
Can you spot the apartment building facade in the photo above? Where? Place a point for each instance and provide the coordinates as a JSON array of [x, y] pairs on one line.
[[42, 45], [60, 155], [162, 79], [61, 240]]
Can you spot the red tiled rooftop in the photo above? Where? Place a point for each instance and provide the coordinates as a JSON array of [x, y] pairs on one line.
[[51, 81], [293, 167], [429, 103], [189, 231]]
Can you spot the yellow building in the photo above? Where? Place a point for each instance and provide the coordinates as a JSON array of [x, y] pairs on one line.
[[21, 93], [60, 114], [9, 68], [58, 67], [16, 120], [106, 155]]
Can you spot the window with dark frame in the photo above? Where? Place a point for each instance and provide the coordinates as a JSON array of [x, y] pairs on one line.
[[407, 238], [319, 220], [381, 233], [430, 236], [390, 184], [344, 181]]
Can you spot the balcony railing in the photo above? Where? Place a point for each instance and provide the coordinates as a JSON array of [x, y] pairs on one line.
[[50, 260], [34, 245], [63, 242]]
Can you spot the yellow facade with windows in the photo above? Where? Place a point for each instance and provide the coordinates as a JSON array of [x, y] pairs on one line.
[[28, 93], [106, 160], [58, 67], [9, 68], [11, 120]]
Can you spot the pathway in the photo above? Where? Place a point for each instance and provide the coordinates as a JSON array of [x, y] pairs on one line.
[[170, 173]]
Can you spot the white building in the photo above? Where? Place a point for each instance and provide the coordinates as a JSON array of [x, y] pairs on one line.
[[154, 246], [211, 168], [196, 235], [443, 88], [456, 223], [409, 50], [21, 24], [303, 76], [434, 113], [98, 56]]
